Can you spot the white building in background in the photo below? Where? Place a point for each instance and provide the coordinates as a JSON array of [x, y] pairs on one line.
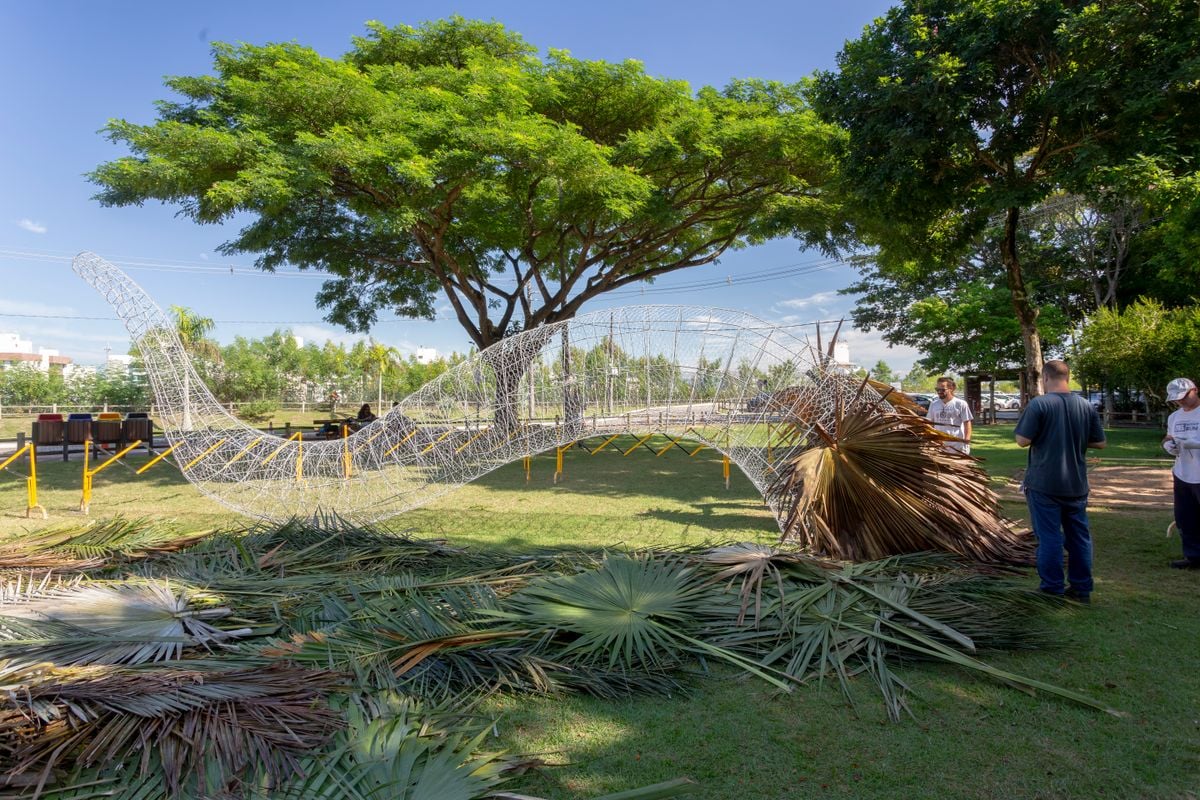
[[15, 351], [841, 357], [118, 363], [426, 355]]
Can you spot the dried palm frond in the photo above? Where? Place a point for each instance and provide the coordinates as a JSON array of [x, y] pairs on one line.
[[879, 483], [75, 547], [189, 725]]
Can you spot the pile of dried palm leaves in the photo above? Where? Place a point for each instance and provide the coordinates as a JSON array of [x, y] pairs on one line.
[[333, 661], [878, 480]]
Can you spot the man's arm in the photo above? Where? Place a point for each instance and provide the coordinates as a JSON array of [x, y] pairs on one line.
[[1027, 425], [1096, 438], [967, 431]]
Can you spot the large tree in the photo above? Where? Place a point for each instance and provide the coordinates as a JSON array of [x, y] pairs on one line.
[[965, 111], [452, 158]]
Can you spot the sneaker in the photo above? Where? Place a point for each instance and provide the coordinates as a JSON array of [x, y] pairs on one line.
[[1084, 598], [1186, 563]]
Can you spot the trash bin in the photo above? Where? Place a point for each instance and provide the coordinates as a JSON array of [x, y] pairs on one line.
[[79, 428], [48, 429], [108, 428], [138, 427]]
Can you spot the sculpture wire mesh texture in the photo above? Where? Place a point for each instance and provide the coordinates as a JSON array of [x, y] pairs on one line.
[[702, 373]]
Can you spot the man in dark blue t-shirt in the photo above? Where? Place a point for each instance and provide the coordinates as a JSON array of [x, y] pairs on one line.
[[1059, 427]]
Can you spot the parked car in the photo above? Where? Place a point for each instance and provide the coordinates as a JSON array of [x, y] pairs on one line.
[[1009, 401], [923, 400]]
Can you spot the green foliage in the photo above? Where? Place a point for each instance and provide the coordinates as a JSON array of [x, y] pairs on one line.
[[961, 110], [452, 157], [1142, 347]]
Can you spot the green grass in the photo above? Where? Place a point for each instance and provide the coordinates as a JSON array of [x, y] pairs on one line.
[[1134, 648]]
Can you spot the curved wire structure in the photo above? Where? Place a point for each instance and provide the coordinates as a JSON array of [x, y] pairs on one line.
[[689, 372]]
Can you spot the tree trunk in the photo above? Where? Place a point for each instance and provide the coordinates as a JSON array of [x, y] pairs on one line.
[[509, 360], [1027, 313]]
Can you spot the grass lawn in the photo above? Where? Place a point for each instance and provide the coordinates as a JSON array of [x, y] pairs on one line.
[[1135, 648]]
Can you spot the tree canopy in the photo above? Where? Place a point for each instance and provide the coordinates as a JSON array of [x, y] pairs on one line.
[[963, 113], [451, 157]]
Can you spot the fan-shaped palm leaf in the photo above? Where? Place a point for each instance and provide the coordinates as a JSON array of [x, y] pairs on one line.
[[99, 623], [634, 612]]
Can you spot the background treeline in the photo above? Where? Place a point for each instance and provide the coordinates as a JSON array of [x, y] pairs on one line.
[[266, 371]]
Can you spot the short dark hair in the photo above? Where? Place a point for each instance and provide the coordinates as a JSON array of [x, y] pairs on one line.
[[1056, 370], [948, 381]]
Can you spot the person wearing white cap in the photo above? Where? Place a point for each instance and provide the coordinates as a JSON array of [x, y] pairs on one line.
[[1183, 442]]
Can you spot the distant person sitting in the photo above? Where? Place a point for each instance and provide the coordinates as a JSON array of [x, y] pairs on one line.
[[365, 417]]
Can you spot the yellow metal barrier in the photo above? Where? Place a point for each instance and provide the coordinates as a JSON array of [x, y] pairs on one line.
[[639, 443], [85, 501], [245, 450], [202, 456], [30, 479], [396, 446], [468, 441], [157, 458], [437, 441]]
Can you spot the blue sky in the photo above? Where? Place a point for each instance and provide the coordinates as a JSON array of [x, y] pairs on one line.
[[68, 67]]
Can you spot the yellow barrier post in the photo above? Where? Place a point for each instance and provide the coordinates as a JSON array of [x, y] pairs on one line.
[[30, 479], [558, 465], [345, 452], [528, 466], [85, 502], [31, 485], [725, 469]]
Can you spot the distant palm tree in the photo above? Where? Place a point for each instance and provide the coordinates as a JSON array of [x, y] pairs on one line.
[[377, 359], [193, 331]]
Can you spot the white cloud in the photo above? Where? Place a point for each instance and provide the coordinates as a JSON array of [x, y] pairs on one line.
[[20, 307], [31, 226], [204, 256], [868, 348], [817, 300]]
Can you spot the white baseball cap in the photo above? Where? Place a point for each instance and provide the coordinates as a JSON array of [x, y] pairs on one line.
[[1179, 387]]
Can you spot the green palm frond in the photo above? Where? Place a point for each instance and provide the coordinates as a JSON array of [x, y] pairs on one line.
[[625, 612], [881, 483], [405, 753], [635, 613], [100, 623]]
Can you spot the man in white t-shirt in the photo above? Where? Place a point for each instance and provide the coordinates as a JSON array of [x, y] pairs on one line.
[[952, 415], [1183, 442]]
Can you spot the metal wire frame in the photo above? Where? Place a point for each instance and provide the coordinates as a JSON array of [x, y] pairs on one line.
[[704, 373]]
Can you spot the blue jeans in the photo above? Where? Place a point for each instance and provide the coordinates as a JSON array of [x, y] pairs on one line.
[[1058, 523]]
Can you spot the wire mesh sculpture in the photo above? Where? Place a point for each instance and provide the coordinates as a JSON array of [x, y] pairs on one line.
[[702, 373]]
